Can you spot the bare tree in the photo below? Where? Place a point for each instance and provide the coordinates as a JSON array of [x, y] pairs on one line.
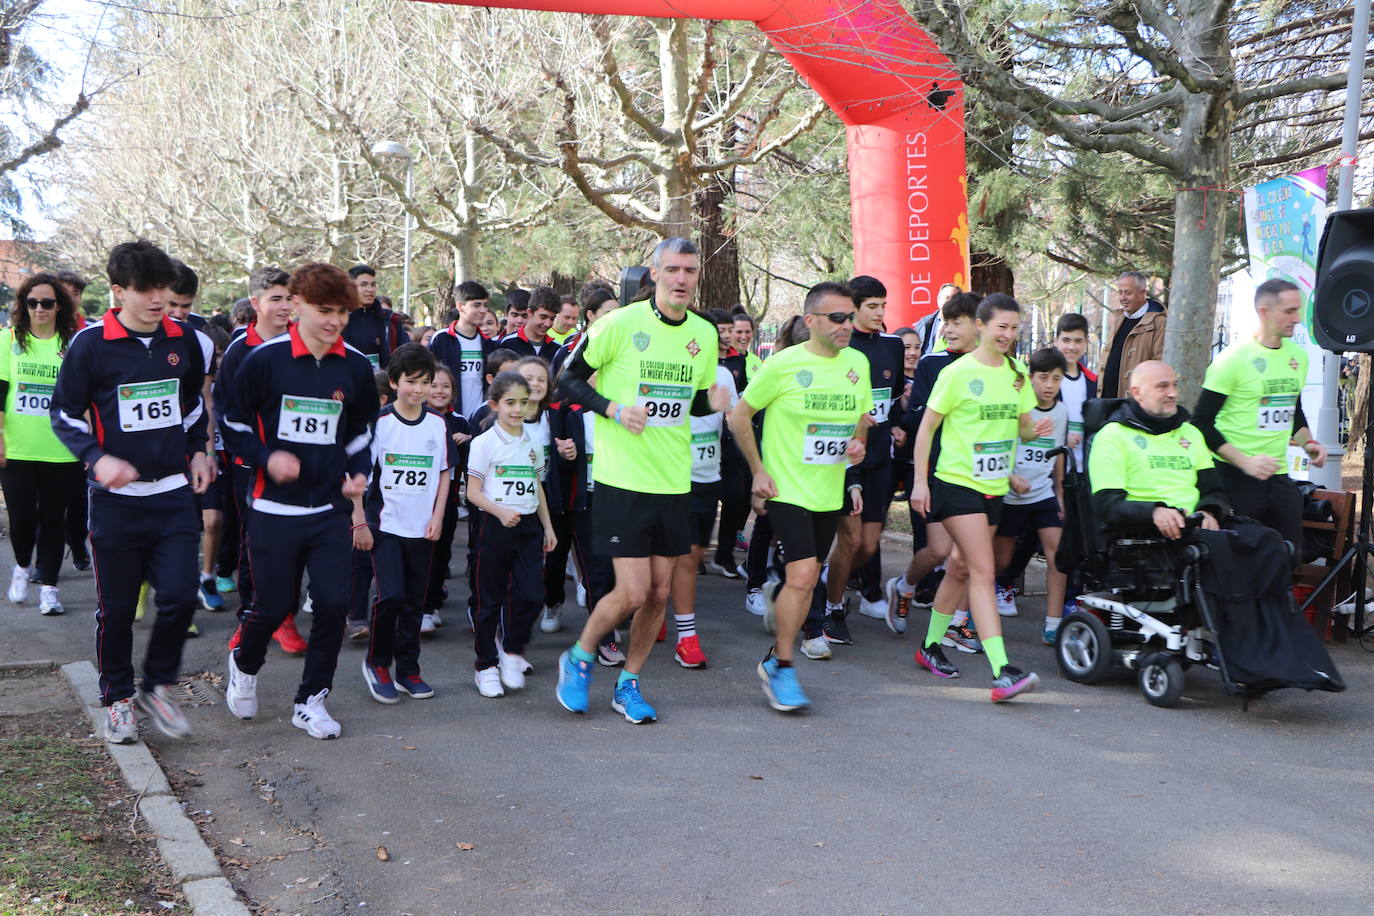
[[1166, 84]]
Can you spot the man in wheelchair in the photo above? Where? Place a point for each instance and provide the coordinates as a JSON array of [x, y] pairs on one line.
[[1172, 587]]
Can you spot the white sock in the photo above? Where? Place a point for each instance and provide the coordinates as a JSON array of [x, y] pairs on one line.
[[905, 587], [831, 607], [1052, 623], [686, 625], [960, 618]]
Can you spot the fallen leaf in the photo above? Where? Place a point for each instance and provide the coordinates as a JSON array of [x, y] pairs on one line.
[[91, 838], [760, 778], [408, 747], [238, 841], [467, 847], [382, 854]]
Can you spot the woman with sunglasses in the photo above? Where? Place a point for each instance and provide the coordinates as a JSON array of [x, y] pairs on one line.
[[986, 398], [37, 471]]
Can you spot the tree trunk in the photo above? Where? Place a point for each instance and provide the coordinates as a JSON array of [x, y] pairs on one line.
[[992, 274], [719, 287], [465, 256], [1201, 208]]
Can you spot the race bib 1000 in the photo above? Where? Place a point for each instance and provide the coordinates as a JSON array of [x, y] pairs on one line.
[[149, 405], [32, 399], [1276, 412], [309, 421]]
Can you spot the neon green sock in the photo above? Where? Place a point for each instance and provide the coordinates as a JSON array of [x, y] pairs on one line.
[[625, 676], [581, 654], [996, 650], [938, 624]]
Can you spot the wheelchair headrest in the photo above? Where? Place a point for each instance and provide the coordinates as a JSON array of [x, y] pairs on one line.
[[1096, 411]]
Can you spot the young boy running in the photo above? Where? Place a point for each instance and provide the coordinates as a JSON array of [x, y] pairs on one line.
[[405, 504], [299, 410], [1036, 496], [128, 404]]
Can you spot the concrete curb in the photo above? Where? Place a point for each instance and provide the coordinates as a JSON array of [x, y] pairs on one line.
[[191, 861], [37, 664]]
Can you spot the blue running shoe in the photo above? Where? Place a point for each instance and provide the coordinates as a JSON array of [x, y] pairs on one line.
[[225, 585], [574, 681], [379, 684], [780, 686], [414, 685], [631, 704], [209, 596]]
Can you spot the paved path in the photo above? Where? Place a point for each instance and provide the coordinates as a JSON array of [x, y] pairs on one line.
[[897, 794]]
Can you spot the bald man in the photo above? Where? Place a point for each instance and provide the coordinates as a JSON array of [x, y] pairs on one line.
[[1149, 466]]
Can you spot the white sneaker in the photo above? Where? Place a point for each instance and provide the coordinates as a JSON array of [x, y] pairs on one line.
[[19, 585], [817, 649], [875, 609], [241, 692], [511, 669], [49, 605], [427, 626], [438, 621], [314, 718], [120, 727], [581, 594], [754, 602], [462, 511], [308, 605], [165, 712], [1006, 602], [551, 621], [488, 682]]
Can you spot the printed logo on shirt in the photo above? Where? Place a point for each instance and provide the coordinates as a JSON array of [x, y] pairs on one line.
[[1293, 364], [338, 395], [853, 377], [804, 378], [641, 341], [173, 359], [1259, 363], [1140, 442], [976, 386], [692, 347], [1184, 443], [887, 373]]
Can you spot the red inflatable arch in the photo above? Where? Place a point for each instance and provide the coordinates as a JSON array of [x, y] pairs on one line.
[[902, 104]]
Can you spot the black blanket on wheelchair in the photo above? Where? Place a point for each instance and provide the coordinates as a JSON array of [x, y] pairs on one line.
[[1265, 644]]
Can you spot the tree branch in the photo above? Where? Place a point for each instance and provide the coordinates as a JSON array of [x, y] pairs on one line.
[[623, 96], [50, 140], [1336, 80]]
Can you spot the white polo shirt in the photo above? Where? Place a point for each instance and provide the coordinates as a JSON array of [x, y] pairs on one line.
[[509, 468], [408, 457]]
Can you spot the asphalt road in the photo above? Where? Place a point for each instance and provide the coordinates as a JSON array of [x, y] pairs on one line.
[[896, 794]]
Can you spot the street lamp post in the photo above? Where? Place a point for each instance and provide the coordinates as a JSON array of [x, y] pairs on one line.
[[390, 149]]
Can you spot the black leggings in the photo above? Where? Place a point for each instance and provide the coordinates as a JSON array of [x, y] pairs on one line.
[[37, 494]]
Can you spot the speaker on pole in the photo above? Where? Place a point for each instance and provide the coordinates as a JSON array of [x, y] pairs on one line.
[[1343, 304]]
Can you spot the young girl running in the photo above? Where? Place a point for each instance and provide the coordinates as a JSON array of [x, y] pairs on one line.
[[989, 402], [459, 434], [513, 534]]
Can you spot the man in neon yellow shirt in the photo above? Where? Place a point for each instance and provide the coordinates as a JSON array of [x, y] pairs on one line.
[[655, 367], [817, 395], [1149, 466], [1251, 409]]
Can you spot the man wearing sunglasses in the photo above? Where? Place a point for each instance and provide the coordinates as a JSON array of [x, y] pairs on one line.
[[817, 396], [139, 375]]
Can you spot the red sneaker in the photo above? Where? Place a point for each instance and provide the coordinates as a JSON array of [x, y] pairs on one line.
[[662, 631], [289, 638], [234, 640], [689, 654]]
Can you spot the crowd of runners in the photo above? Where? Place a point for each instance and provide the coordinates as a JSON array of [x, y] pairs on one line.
[[313, 458]]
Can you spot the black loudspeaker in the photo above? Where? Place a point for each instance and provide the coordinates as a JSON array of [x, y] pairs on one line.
[[635, 284], [1343, 304]]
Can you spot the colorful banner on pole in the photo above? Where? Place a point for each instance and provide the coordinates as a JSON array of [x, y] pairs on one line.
[[1283, 226]]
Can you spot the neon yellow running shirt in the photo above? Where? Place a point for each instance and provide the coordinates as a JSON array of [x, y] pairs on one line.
[[1151, 469], [814, 403], [981, 406], [1262, 387], [642, 360], [31, 373]]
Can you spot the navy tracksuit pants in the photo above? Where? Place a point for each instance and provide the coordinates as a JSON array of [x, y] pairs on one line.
[[402, 567], [282, 548], [508, 577], [137, 539]]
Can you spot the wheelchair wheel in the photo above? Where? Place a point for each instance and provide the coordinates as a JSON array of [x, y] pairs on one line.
[[1083, 648], [1161, 680]]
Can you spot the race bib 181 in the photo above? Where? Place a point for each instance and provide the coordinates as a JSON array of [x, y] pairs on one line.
[[309, 421]]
